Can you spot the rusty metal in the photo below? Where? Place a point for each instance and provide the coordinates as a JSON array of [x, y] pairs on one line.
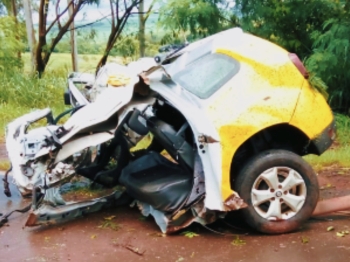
[[332, 205], [234, 202], [206, 139]]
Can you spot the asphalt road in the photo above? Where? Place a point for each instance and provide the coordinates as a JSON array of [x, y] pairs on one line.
[[129, 237]]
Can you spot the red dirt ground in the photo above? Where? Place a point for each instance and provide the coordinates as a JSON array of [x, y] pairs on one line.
[[133, 238]]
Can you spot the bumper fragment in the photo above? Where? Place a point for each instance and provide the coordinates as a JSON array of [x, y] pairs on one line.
[[323, 141]]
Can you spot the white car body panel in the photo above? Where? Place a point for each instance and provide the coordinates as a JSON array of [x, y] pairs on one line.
[[81, 143], [211, 159]]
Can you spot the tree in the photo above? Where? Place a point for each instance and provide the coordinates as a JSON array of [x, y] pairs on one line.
[[120, 13], [317, 30], [198, 17], [11, 44], [44, 49], [288, 23], [143, 17], [6, 7], [10, 8], [30, 31], [330, 59], [73, 41]]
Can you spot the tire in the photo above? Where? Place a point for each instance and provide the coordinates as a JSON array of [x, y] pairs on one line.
[[281, 191]]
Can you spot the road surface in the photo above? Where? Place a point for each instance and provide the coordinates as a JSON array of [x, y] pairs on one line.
[[130, 237]]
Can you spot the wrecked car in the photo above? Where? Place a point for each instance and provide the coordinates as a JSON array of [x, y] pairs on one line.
[[228, 119]]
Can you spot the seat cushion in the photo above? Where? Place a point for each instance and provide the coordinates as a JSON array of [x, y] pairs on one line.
[[154, 180]]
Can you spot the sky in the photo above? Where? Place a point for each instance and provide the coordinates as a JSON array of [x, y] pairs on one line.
[[88, 14]]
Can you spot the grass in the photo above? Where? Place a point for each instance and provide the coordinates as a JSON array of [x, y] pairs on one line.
[[339, 154], [61, 64], [21, 93]]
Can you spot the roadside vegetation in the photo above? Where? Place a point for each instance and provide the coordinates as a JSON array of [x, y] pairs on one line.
[[21, 92], [339, 153], [317, 30]]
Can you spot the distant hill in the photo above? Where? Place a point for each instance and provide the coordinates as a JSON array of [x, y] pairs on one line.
[[103, 27]]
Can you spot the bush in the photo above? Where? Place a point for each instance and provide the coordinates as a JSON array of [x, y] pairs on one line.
[[20, 94], [330, 61]]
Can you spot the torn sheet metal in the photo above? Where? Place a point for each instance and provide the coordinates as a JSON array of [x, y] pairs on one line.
[[170, 224], [48, 214], [161, 219], [78, 144], [234, 202]]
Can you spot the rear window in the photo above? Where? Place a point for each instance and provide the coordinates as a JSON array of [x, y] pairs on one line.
[[204, 76]]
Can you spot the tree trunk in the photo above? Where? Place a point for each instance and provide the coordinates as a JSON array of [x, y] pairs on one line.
[[40, 65], [14, 13], [117, 26], [142, 23], [109, 47], [116, 30], [43, 50], [30, 32], [73, 41]]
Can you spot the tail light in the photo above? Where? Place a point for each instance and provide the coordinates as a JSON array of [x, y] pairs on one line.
[[298, 64]]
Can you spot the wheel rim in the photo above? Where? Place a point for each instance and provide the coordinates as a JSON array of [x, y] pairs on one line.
[[278, 193]]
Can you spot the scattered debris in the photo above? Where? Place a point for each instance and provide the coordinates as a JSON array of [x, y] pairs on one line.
[[331, 228], [342, 233], [238, 241], [133, 249], [93, 236], [157, 234], [189, 234], [109, 218], [304, 240], [328, 186], [109, 224]]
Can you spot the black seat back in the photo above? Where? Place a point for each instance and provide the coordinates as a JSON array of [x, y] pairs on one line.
[[173, 141]]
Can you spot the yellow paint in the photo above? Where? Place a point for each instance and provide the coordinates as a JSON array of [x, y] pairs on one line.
[[312, 114], [265, 92], [117, 80]]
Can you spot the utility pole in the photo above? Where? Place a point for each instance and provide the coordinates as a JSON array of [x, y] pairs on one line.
[[73, 39], [30, 31]]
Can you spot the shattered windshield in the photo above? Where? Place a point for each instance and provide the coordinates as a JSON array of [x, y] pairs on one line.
[[204, 76]]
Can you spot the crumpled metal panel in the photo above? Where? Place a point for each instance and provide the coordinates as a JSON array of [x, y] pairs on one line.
[[170, 224], [47, 214], [146, 210]]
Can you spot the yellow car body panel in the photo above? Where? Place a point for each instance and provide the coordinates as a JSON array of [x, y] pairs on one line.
[[265, 92], [312, 114]]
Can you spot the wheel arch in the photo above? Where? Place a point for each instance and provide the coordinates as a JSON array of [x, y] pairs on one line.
[[280, 136]]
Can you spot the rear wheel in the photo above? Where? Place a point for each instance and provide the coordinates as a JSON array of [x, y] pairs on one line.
[[281, 191]]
